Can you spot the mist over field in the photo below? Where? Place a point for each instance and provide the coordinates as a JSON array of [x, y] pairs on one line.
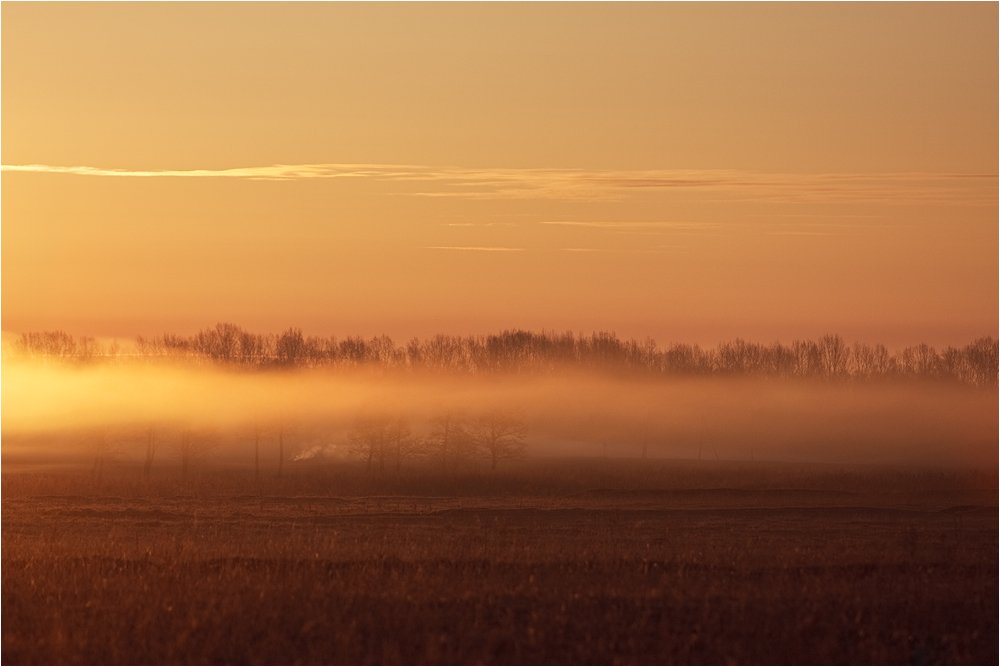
[[218, 515], [499, 333], [56, 413]]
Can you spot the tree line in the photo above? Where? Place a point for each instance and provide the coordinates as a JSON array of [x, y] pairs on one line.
[[454, 441], [384, 443], [518, 351]]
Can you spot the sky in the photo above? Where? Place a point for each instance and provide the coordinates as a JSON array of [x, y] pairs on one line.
[[689, 172]]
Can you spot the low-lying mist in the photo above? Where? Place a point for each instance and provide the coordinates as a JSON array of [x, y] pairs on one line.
[[70, 414]]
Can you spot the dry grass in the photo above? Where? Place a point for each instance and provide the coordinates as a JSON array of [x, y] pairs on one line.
[[561, 563]]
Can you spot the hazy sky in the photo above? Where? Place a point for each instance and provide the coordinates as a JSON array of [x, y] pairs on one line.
[[688, 172]]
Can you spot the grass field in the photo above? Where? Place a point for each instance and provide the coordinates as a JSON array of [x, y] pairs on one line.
[[561, 561]]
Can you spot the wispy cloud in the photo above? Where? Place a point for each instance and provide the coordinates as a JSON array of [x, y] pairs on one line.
[[478, 224], [628, 225], [800, 232], [473, 248], [800, 215], [277, 172], [584, 184], [624, 251]]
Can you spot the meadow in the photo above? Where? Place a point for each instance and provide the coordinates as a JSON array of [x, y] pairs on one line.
[[515, 499], [499, 333], [547, 560]]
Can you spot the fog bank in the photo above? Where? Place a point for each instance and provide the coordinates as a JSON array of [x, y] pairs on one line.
[[58, 412]]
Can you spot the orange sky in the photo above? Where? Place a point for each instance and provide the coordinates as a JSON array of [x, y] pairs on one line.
[[688, 172]]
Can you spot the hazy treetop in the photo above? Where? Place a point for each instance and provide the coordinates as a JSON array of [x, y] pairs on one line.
[[518, 351]]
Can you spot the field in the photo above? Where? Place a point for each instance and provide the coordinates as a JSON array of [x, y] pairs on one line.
[[607, 561]]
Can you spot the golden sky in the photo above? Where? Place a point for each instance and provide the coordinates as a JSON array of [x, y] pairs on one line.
[[687, 172]]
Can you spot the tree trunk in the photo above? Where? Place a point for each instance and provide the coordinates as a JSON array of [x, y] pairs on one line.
[[256, 456], [147, 466], [281, 451], [445, 437]]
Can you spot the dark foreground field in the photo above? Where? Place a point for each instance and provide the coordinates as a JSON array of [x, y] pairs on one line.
[[562, 562]]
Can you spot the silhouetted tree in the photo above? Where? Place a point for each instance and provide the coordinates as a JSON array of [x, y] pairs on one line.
[[808, 358], [920, 361], [57, 344], [291, 348], [400, 442], [870, 361], [147, 465], [192, 446], [545, 352], [450, 442], [499, 434], [369, 438], [981, 361], [833, 355], [257, 432], [281, 448], [101, 448]]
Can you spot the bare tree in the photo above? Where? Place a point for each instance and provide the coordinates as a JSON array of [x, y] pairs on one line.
[[833, 355], [978, 363], [920, 361], [499, 434], [518, 350], [380, 441], [186, 449], [281, 448], [192, 446], [147, 466], [368, 437], [102, 449], [400, 441], [450, 442], [257, 432], [291, 348]]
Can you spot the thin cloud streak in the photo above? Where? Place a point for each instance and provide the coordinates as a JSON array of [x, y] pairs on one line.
[[581, 184], [625, 225], [273, 172], [624, 251], [478, 224], [800, 233], [472, 248]]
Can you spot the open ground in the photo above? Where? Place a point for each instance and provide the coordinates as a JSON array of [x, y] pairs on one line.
[[550, 561]]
